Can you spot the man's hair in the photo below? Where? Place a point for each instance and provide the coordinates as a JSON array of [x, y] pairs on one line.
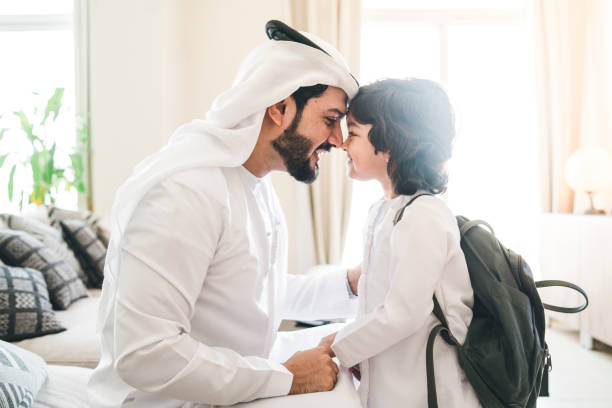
[[303, 94], [412, 120]]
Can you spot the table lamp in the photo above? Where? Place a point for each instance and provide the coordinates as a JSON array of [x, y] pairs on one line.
[[589, 170]]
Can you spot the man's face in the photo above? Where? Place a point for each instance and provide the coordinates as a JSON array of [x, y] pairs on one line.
[[315, 130]]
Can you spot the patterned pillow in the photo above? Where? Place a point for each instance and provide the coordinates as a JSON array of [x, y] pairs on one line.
[[46, 234], [56, 215], [20, 249], [25, 310], [22, 373], [89, 249]]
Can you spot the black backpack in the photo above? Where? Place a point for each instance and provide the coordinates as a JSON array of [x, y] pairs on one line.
[[505, 356]]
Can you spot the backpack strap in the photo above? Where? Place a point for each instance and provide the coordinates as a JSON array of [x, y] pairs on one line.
[[471, 224], [400, 213], [442, 328], [564, 284]]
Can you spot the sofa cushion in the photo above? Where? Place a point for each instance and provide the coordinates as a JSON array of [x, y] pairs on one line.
[[46, 234], [90, 251], [56, 215], [18, 248], [25, 310], [77, 346], [21, 376]]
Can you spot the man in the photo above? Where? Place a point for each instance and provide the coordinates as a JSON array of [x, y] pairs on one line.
[[195, 280]]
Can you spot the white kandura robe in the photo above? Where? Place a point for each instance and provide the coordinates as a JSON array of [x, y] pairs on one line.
[[202, 292], [195, 274], [403, 266]]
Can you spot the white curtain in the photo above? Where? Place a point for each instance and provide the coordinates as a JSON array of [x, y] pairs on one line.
[[317, 214], [574, 45]]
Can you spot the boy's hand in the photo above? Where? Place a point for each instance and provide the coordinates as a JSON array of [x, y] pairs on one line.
[[356, 371], [313, 371], [353, 278], [327, 341]]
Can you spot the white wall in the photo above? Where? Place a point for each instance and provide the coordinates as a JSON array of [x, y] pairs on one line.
[[156, 64]]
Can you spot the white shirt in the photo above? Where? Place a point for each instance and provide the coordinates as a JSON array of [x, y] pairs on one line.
[[201, 293], [403, 266]]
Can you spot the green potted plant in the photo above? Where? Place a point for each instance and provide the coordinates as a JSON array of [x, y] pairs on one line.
[[39, 157]]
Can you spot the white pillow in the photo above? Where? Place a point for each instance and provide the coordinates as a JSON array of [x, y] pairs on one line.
[[21, 375]]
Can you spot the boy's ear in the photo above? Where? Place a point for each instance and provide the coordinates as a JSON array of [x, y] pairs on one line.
[[277, 111]]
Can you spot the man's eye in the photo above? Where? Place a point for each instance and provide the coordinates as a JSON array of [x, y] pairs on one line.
[[331, 120]]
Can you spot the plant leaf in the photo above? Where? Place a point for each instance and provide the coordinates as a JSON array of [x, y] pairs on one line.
[[26, 126], [2, 159], [49, 165], [78, 170], [54, 104], [10, 184], [2, 132]]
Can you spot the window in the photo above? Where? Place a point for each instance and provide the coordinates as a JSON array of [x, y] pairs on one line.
[[38, 53], [480, 51]]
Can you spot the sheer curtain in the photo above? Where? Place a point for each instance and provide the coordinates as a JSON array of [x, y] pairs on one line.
[[574, 44]]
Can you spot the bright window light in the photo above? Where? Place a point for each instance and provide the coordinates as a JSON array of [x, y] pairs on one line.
[[485, 64], [34, 64], [36, 7]]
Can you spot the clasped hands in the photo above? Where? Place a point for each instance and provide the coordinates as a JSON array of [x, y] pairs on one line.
[[314, 370]]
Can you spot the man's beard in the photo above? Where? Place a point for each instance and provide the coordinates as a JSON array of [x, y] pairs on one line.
[[294, 149]]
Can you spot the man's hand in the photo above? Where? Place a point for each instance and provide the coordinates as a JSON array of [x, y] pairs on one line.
[[353, 278], [313, 370]]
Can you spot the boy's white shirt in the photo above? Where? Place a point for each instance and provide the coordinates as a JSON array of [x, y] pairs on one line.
[[403, 266]]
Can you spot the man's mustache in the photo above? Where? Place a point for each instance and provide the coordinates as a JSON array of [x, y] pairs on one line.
[[325, 146]]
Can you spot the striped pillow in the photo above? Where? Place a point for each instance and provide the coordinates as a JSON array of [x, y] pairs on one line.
[[22, 373]]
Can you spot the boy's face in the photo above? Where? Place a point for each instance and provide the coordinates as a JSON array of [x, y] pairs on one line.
[[315, 130], [363, 163]]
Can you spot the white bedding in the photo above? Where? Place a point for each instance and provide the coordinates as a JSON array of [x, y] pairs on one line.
[[65, 388], [66, 385]]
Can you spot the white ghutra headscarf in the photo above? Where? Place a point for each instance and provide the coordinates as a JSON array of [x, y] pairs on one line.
[[226, 138]]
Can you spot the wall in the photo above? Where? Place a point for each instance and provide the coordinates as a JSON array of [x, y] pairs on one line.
[[156, 64]]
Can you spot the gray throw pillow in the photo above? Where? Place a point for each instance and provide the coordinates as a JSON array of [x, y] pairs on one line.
[[56, 215], [46, 234], [18, 248], [89, 249], [25, 311], [22, 373]]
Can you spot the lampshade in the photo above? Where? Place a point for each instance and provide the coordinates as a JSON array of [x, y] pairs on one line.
[[589, 170]]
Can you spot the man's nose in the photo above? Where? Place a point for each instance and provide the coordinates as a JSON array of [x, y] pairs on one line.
[[335, 138]]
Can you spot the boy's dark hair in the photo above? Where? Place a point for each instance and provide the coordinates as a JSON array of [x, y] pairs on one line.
[[413, 120]]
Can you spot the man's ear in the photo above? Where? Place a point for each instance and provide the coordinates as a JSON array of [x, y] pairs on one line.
[[277, 111]]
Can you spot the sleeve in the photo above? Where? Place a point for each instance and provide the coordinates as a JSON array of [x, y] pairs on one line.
[[167, 249], [418, 253], [322, 293]]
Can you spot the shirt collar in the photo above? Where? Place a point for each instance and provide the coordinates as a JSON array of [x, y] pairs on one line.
[[251, 180], [401, 200]]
